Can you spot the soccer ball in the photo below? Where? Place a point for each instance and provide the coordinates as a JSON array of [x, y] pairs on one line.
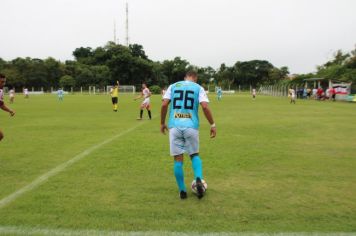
[[194, 186]]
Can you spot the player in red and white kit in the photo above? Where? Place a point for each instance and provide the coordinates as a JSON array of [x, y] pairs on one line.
[[2, 104], [145, 94]]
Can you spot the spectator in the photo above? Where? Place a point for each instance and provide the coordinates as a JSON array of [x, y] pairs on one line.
[[305, 93], [314, 91], [332, 93], [309, 91], [319, 93]]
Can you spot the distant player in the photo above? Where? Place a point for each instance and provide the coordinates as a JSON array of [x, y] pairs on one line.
[[219, 93], [114, 92], [254, 94], [145, 94], [183, 99], [26, 93], [292, 95], [60, 94], [12, 95], [2, 104]]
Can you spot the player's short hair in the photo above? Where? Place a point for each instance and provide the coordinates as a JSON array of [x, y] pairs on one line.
[[192, 73], [2, 76]]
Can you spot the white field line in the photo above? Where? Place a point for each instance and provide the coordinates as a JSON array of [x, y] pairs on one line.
[[14, 230], [43, 178]]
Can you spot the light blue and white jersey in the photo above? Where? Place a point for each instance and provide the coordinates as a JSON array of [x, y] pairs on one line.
[[185, 97], [219, 92], [60, 92]]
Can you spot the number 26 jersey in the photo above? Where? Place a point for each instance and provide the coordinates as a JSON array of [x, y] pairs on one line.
[[185, 97]]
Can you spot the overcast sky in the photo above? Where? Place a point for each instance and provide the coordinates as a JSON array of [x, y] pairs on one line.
[[299, 34]]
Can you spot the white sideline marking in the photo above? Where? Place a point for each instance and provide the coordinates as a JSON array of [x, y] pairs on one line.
[[43, 231], [43, 178]]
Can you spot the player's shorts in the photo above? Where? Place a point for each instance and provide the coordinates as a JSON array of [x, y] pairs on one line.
[[114, 100], [146, 103], [183, 140]]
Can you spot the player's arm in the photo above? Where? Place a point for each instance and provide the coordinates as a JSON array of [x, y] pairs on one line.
[[209, 117], [204, 103], [5, 108], [138, 97], [166, 100], [164, 110]]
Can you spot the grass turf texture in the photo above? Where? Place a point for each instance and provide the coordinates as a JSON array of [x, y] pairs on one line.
[[274, 167]]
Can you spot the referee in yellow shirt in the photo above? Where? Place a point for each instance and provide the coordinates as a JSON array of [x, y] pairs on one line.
[[114, 92]]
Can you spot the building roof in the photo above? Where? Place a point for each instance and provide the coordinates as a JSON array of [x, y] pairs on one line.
[[314, 79]]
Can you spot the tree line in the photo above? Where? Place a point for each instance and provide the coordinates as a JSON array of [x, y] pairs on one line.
[[342, 67], [130, 65]]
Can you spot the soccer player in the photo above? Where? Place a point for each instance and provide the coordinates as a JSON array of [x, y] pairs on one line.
[[292, 95], [12, 95], [145, 94], [219, 93], [25, 92], [183, 99], [2, 104], [60, 93], [114, 92], [254, 94]]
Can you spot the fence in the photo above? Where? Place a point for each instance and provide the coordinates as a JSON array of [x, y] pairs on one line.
[[274, 90], [89, 90]]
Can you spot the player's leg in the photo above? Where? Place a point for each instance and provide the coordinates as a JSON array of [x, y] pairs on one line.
[[142, 106], [191, 137], [1, 135], [179, 174], [198, 173], [148, 108], [115, 103], [176, 143]]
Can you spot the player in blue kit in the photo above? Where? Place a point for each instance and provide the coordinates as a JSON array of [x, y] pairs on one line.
[[183, 99], [60, 94], [219, 93]]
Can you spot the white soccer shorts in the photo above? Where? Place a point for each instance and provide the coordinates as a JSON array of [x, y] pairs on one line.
[[183, 140]]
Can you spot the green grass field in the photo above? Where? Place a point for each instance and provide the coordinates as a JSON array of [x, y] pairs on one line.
[[274, 167]]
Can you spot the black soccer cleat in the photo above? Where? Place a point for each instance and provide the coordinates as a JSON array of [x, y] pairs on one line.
[[183, 195], [200, 188]]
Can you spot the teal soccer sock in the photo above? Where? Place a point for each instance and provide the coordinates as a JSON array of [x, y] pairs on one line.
[[197, 167], [179, 174]]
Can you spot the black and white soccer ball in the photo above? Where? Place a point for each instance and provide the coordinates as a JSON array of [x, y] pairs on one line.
[[194, 186]]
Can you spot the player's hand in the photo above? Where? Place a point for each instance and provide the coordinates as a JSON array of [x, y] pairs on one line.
[[212, 132], [164, 128], [12, 113]]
